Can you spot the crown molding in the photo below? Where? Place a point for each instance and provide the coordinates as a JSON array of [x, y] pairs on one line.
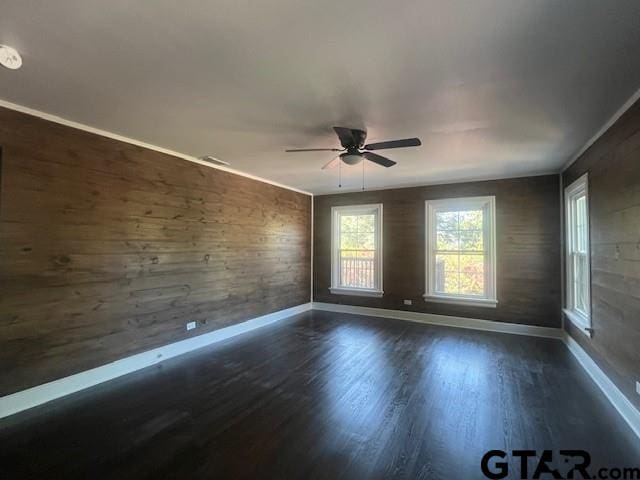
[[132, 141], [490, 178], [608, 124]]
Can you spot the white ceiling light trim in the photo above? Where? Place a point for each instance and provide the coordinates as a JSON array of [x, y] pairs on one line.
[[10, 58], [132, 141]]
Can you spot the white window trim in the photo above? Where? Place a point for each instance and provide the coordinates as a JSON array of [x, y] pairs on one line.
[[487, 203], [335, 241], [581, 321]]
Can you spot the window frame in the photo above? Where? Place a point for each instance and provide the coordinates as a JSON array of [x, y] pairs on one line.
[[336, 213], [577, 189], [486, 203]]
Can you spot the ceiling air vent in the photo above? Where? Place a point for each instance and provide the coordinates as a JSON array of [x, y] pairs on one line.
[[214, 160]]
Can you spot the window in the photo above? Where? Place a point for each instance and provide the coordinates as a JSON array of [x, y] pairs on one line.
[[578, 303], [356, 250], [460, 246]]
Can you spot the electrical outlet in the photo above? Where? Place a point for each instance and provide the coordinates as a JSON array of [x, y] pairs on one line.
[[638, 387], [408, 302], [191, 325]]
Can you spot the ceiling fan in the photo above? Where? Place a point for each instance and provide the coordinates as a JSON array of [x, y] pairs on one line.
[[354, 149]]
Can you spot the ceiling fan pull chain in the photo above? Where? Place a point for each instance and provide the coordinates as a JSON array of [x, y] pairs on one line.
[[362, 175], [340, 174]]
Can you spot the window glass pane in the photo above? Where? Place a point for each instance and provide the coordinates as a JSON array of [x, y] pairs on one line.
[[357, 269], [580, 209], [459, 251], [578, 288], [348, 223], [580, 283], [356, 256], [471, 220], [471, 240], [447, 240], [471, 283], [366, 223], [446, 282], [472, 264], [349, 241], [580, 244], [366, 241], [446, 221], [581, 224], [447, 262], [349, 269], [471, 274]]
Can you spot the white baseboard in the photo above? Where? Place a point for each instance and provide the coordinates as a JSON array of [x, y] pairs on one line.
[[620, 402], [444, 320], [32, 397], [41, 394]]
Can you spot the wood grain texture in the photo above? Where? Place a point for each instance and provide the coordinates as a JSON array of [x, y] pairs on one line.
[[527, 243], [326, 396], [613, 164], [108, 249]]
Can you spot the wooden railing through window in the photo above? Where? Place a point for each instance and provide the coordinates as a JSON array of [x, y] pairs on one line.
[[357, 268]]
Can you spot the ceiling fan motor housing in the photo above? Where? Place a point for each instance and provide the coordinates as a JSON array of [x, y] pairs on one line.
[[359, 137]]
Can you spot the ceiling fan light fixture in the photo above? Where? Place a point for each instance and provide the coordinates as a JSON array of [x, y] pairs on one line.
[[351, 158]]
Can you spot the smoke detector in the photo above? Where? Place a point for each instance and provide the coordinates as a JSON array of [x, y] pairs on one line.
[[10, 58], [214, 160]]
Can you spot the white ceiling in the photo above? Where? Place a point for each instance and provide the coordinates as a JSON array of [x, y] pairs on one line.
[[494, 88]]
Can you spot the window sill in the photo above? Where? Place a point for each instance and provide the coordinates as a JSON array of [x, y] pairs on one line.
[[581, 322], [360, 292], [472, 302]]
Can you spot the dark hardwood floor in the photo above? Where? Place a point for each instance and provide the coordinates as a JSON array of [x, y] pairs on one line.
[[325, 395]]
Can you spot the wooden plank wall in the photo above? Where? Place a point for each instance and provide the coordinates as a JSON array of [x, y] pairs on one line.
[[108, 249], [527, 244], [613, 164]]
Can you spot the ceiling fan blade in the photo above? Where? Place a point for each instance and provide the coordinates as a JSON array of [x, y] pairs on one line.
[[333, 163], [346, 136], [379, 159], [314, 150], [406, 142]]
